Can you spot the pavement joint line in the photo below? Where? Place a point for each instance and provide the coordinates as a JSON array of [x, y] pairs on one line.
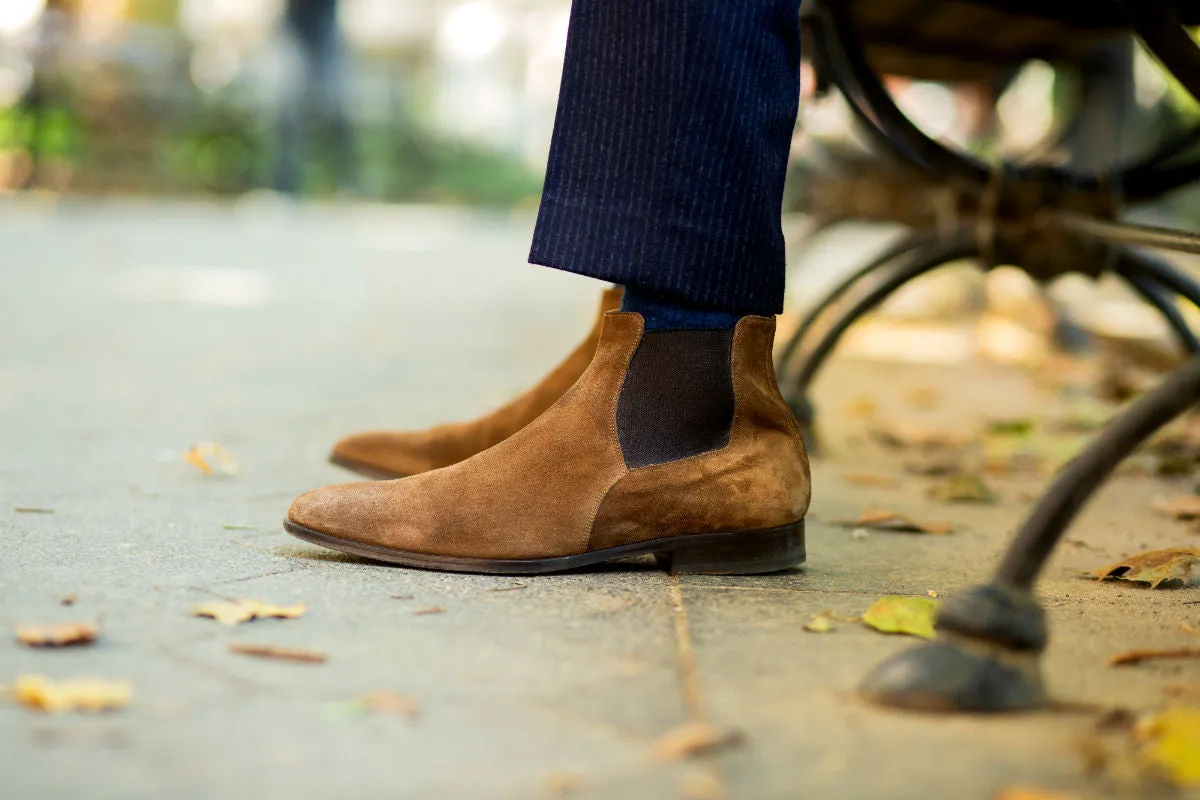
[[202, 666], [855, 592], [693, 694], [260, 575]]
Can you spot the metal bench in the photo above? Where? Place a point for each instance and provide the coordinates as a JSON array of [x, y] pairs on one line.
[[1046, 219]]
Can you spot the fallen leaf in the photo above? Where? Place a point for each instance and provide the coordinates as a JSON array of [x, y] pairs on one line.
[[1017, 426], [1138, 656], [559, 784], [1084, 416], [962, 488], [278, 653], [913, 436], [211, 459], [1183, 507], [244, 610], [883, 520], [1031, 793], [693, 739], [385, 701], [431, 610], [820, 623], [701, 786], [938, 466], [239, 527], [81, 694], [69, 600], [912, 616], [1155, 567], [932, 593], [922, 397], [862, 408], [32, 510], [869, 479], [1171, 741], [513, 588], [60, 635]]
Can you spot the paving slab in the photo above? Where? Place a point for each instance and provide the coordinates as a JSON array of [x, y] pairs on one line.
[[129, 331]]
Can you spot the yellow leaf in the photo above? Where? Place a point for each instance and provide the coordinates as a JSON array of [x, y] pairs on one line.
[[1172, 742], [81, 694], [898, 614], [244, 610], [820, 623], [61, 635], [210, 458], [1154, 567], [693, 739]]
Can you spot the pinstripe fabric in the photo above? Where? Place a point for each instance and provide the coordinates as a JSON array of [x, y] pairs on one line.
[[670, 146]]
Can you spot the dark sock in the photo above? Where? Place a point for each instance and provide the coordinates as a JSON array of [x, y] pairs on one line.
[[663, 313], [677, 398]]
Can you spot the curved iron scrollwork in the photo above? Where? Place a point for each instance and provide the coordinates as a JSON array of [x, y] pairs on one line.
[[1049, 221]]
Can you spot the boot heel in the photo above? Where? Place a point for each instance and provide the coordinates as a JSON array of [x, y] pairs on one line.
[[745, 553]]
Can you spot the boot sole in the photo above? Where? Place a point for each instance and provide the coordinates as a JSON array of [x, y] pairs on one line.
[[365, 470], [740, 553]]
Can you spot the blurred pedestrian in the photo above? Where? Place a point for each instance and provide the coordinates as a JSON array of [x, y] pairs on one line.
[[317, 102]]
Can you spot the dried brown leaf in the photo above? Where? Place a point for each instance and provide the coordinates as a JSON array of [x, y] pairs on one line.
[[693, 739], [82, 694], [1154, 567], [883, 520], [862, 408], [560, 784], [431, 610], [869, 479], [245, 610], [938, 466], [63, 634], [922, 397], [701, 786], [1138, 656], [1185, 507], [962, 488], [1032, 793], [385, 701], [914, 436], [277, 653]]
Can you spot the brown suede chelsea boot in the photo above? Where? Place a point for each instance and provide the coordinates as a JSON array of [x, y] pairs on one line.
[[396, 454], [623, 464]]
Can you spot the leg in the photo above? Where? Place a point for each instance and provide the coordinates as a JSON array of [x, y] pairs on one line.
[[670, 148], [666, 175]]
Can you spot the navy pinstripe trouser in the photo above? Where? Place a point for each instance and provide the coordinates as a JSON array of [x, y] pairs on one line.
[[670, 147]]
